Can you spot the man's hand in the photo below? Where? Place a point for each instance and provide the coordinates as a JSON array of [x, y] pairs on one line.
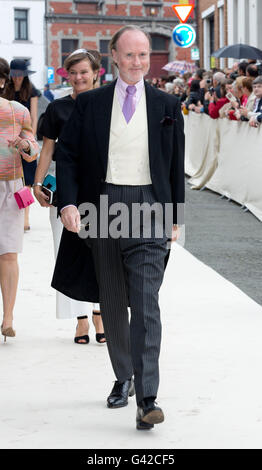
[[227, 113], [41, 196], [243, 111], [235, 104], [175, 233], [70, 218], [253, 122]]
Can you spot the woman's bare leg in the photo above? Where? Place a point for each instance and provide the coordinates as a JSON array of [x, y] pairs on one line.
[[9, 274]]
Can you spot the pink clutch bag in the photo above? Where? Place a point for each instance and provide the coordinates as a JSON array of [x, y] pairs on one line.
[[23, 197]]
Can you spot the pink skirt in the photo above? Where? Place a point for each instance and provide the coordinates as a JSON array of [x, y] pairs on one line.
[[11, 218]]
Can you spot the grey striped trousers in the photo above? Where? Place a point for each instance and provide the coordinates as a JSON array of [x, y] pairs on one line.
[[130, 272]]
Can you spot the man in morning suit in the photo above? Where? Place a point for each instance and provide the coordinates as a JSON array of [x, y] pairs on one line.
[[124, 141]]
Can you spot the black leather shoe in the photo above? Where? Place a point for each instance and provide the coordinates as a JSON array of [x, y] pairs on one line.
[[120, 393], [148, 414]]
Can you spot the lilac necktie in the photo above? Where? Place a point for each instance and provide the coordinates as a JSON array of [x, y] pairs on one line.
[[129, 103]]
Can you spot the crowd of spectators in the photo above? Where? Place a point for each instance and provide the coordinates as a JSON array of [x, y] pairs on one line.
[[233, 93]]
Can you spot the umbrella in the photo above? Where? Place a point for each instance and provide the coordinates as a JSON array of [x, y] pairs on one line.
[[180, 66], [238, 51]]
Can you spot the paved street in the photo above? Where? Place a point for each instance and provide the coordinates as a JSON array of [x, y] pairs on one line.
[[53, 392], [224, 237]]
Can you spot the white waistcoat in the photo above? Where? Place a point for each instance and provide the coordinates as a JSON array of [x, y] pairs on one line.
[[128, 157]]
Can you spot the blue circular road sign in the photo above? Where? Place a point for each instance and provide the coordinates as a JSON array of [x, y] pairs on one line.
[[184, 35]]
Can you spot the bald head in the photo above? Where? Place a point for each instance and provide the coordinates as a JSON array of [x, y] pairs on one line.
[[131, 54]]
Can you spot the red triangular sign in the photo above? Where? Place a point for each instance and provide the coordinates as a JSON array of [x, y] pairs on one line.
[[183, 11]]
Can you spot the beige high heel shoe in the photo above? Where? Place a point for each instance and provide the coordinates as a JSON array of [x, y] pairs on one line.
[[7, 332]]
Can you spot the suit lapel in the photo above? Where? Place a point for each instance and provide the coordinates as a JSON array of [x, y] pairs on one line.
[[155, 112], [103, 111]]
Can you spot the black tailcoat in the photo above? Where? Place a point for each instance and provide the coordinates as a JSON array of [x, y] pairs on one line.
[[81, 159]]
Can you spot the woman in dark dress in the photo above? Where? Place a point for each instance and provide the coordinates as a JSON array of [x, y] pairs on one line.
[[22, 90], [83, 68]]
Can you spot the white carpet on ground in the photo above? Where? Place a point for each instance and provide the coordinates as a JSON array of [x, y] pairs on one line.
[[53, 392]]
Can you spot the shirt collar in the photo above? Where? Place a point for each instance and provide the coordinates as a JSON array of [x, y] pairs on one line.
[[121, 85]]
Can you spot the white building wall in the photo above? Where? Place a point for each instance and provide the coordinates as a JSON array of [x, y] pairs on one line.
[[232, 14], [253, 12], [244, 23], [32, 49], [220, 5], [206, 34], [255, 21], [206, 44]]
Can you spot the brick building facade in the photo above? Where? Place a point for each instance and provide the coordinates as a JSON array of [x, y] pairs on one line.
[[212, 31], [71, 24]]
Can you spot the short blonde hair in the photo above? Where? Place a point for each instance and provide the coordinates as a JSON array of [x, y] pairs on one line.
[[248, 83], [239, 82]]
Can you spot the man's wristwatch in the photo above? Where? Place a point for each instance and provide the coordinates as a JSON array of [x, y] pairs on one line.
[[37, 184]]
